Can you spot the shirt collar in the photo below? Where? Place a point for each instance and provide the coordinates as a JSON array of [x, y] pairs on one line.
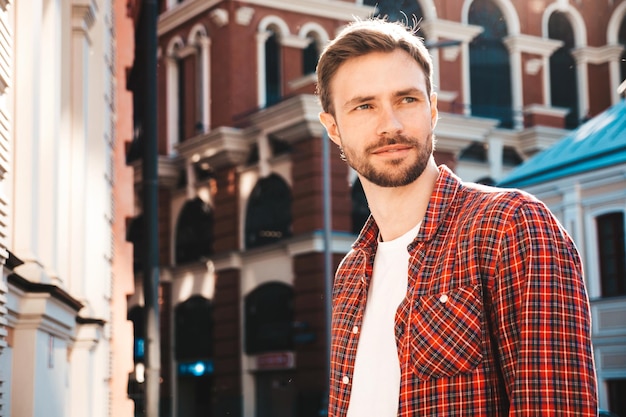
[[446, 188]]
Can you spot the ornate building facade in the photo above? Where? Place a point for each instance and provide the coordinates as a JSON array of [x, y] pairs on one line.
[[254, 215], [64, 335]]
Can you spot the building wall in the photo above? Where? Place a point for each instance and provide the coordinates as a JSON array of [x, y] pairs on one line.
[[6, 79], [57, 140], [124, 210]]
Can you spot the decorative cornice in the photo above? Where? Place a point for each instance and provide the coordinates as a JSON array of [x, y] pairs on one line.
[[539, 138], [448, 29], [294, 41], [532, 44], [182, 13], [220, 17], [243, 15], [598, 55], [54, 291], [167, 169], [221, 147], [90, 320], [336, 10], [455, 132], [546, 110], [226, 261], [291, 120], [83, 15]]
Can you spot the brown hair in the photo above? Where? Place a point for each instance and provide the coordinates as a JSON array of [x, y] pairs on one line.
[[361, 38]]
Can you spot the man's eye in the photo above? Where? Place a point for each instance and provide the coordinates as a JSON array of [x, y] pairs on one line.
[[363, 107], [410, 99]]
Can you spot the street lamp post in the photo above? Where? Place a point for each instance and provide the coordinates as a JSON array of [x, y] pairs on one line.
[[148, 38]]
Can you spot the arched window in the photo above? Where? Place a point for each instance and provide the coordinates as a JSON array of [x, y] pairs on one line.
[[268, 215], [194, 329], [194, 232], [406, 11], [269, 319], [476, 152], [310, 55], [563, 73], [612, 251], [360, 209], [199, 41], [490, 68], [622, 40], [272, 69]]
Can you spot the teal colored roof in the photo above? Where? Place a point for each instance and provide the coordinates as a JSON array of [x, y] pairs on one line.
[[599, 143]]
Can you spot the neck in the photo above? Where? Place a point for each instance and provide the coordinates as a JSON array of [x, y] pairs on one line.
[[398, 209]]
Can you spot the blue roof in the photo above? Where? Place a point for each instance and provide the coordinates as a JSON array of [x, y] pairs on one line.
[[599, 143]]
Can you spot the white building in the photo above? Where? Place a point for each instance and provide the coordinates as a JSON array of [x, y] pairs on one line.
[[57, 212], [582, 179]]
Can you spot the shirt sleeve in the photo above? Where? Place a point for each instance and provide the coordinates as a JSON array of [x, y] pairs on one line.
[[542, 319]]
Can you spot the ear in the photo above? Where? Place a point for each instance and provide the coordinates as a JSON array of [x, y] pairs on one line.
[[328, 120], [434, 112]]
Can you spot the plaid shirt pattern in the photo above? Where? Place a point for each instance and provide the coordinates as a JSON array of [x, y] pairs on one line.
[[496, 319]]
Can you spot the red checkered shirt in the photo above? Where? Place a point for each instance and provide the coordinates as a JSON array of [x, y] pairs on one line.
[[496, 318]]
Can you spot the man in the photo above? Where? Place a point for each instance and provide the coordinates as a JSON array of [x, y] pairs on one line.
[[492, 318]]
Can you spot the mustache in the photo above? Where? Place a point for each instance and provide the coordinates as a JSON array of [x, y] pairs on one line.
[[394, 140]]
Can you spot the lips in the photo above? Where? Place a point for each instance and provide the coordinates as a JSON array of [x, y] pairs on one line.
[[391, 148]]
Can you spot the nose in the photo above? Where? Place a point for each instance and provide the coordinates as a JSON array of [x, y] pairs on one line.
[[388, 122]]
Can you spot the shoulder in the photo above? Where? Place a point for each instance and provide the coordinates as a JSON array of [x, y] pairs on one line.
[[475, 200], [499, 202]]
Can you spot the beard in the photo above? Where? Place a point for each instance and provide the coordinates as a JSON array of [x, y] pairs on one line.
[[396, 172]]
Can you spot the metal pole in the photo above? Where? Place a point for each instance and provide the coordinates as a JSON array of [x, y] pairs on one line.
[[328, 265], [150, 207]]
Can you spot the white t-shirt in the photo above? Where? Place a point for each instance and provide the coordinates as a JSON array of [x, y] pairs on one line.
[[376, 379]]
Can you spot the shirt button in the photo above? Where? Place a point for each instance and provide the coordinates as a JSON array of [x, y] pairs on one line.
[[443, 298], [355, 329], [345, 380]]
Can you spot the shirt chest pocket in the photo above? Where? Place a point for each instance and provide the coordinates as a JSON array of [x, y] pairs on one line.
[[445, 336]]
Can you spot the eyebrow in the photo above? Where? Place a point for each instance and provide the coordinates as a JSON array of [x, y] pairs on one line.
[[400, 93]]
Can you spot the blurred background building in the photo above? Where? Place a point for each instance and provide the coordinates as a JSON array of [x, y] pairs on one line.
[[528, 97]]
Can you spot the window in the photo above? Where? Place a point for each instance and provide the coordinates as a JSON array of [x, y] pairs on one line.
[[563, 73], [310, 56], [272, 69], [617, 400], [134, 235], [268, 215], [490, 69], [622, 41], [269, 319], [194, 232], [476, 152], [510, 157], [610, 228], [137, 316], [407, 11], [194, 329]]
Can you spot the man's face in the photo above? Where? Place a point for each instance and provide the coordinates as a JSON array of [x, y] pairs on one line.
[[384, 118]]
